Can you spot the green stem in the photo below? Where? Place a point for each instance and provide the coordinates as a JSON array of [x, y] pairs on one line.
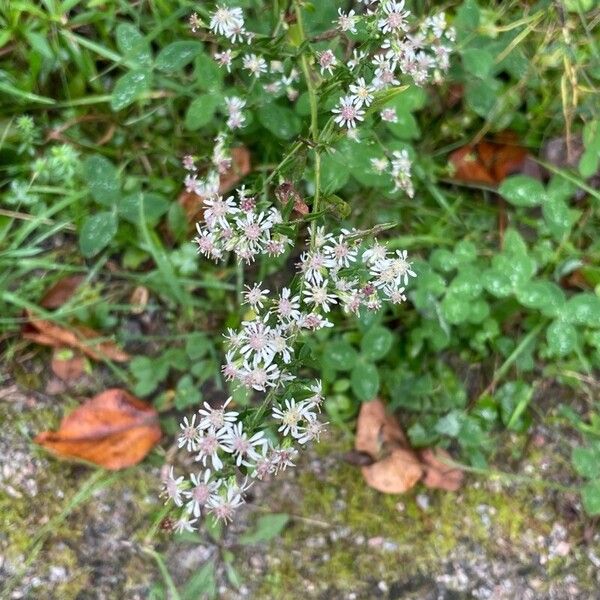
[[314, 114]]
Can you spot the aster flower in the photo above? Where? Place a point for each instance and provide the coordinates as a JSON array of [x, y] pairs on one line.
[[209, 443], [319, 296], [184, 524], [216, 417], [226, 18], [327, 61], [348, 112], [224, 59], [189, 434], [394, 19], [223, 506], [237, 442], [361, 92], [346, 21], [172, 488], [201, 491], [389, 115], [255, 296], [288, 305], [256, 65]]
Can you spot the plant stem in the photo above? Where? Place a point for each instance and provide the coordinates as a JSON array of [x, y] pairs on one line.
[[314, 123]]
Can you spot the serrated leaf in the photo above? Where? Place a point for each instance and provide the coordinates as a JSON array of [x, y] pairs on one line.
[[177, 55], [521, 190], [102, 178], [97, 232], [129, 88]]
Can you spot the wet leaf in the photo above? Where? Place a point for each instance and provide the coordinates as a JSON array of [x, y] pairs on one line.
[[114, 430]]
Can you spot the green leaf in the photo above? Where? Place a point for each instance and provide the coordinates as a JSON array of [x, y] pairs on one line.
[[155, 206], [201, 584], [267, 528], [197, 345], [187, 393], [129, 88], [334, 172], [467, 284], [590, 496], [587, 461], [557, 216], [406, 126], [201, 111], [339, 355], [544, 296], [365, 381], [97, 232], [496, 283], [521, 190], [376, 343], [481, 95], [281, 121], [514, 398], [209, 76], [177, 55], [455, 308], [583, 309], [102, 179], [477, 62], [450, 424], [561, 338], [518, 269], [133, 45]]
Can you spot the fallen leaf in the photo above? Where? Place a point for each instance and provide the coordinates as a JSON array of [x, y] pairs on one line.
[[79, 337], [67, 367], [357, 458], [438, 473], [395, 466], [114, 430], [192, 204], [395, 474], [61, 291], [377, 429], [286, 192], [240, 167], [489, 161]]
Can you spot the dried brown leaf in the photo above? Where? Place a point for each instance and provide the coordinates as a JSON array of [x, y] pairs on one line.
[[61, 291], [114, 430], [79, 337], [377, 430], [69, 368], [395, 474], [438, 471]]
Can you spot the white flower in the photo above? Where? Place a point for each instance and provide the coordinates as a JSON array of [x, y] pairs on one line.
[[237, 442], [317, 395], [207, 243], [380, 165], [255, 296], [208, 446], [284, 457], [218, 210], [201, 491], [376, 253], [312, 431], [224, 59], [236, 120], [314, 322], [288, 306], [357, 58], [216, 418], [229, 369], [327, 61], [225, 18], [401, 266], [255, 64], [234, 339], [290, 415], [394, 20], [172, 488], [313, 264], [223, 507], [340, 253], [394, 294], [189, 434], [259, 377], [234, 104], [280, 344], [258, 344], [184, 524], [264, 463], [319, 296], [346, 22], [389, 115], [361, 92], [348, 112]]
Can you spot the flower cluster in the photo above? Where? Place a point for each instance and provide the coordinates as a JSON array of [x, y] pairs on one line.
[[420, 54], [398, 168]]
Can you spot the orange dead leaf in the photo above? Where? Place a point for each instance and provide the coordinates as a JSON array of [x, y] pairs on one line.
[[489, 162], [80, 338], [114, 430], [438, 472], [61, 291], [397, 467], [67, 368], [376, 428]]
